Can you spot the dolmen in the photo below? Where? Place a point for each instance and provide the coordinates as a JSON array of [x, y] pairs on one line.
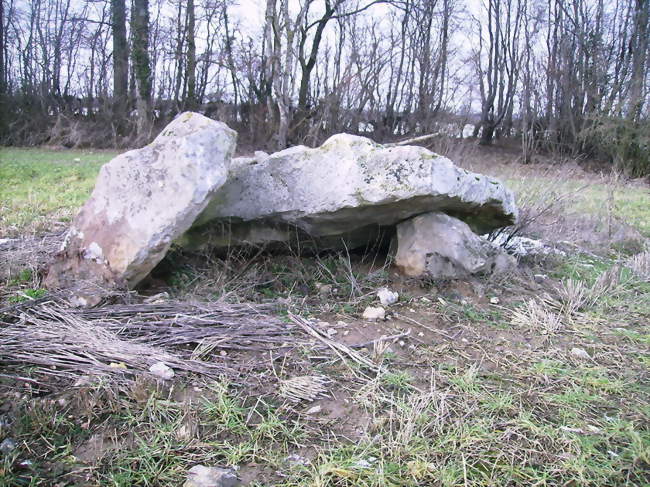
[[186, 188]]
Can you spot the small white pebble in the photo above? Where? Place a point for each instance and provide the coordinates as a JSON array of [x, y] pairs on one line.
[[387, 297], [580, 353], [162, 370], [314, 410], [7, 446], [373, 314]]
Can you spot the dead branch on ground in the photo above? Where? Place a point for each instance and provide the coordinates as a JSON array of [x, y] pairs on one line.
[[124, 340]]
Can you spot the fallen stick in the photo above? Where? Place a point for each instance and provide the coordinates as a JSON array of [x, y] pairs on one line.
[[392, 338], [339, 348], [426, 327], [125, 340], [414, 140]]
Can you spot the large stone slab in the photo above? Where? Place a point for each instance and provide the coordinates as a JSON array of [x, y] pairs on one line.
[[435, 245], [348, 185], [142, 201]]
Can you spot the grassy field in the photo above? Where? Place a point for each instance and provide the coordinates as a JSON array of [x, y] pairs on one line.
[[597, 198], [41, 187], [537, 378]]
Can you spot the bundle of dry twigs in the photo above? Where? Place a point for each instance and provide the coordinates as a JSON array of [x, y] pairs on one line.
[[126, 339]]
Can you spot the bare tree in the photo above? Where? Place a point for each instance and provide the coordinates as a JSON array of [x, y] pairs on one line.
[[141, 64], [307, 56], [499, 37], [190, 99], [120, 62], [3, 71], [3, 74], [640, 59], [564, 75]]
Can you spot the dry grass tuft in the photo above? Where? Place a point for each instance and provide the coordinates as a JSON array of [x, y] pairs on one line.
[[640, 265], [574, 295], [549, 314], [304, 388], [537, 315], [27, 254], [577, 295]]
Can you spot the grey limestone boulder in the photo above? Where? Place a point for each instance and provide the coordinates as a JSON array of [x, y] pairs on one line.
[[437, 246], [344, 189], [142, 201]]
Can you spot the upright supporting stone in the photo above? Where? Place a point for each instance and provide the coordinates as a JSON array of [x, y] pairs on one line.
[[436, 245], [142, 201]]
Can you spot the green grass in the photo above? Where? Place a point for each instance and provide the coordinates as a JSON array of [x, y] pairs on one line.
[[27, 295], [398, 381], [494, 438], [630, 204], [41, 186], [157, 439], [553, 424]]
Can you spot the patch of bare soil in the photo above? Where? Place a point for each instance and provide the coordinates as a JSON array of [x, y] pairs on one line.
[[469, 353]]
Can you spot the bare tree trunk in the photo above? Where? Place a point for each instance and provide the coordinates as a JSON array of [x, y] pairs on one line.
[[307, 65], [231, 59], [498, 81], [283, 91], [271, 39], [639, 44], [141, 65], [389, 120], [426, 71], [3, 75], [190, 101], [179, 60], [441, 70], [120, 63], [283, 82]]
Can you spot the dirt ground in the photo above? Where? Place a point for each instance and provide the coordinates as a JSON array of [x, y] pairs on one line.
[[537, 377]]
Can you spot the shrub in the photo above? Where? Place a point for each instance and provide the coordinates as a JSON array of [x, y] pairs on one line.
[[624, 142]]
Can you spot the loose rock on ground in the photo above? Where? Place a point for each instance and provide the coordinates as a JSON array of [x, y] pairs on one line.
[[202, 476]]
